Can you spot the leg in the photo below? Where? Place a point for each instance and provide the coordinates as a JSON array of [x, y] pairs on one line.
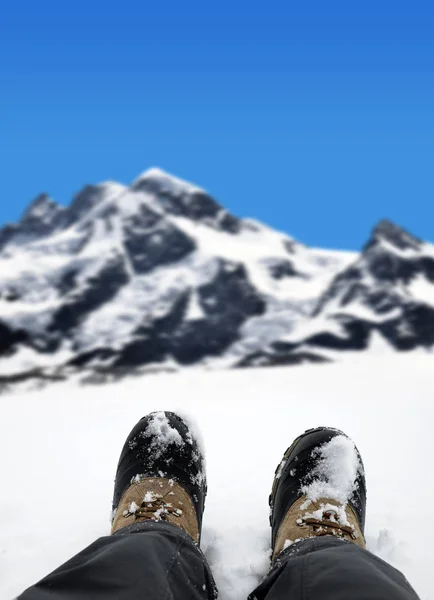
[[157, 561], [158, 503], [326, 568], [317, 517]]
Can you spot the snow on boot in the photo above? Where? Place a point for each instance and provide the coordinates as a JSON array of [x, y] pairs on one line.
[[319, 489], [160, 476]]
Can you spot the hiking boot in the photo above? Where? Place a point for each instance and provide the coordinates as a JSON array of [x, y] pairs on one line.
[[319, 489], [160, 476]]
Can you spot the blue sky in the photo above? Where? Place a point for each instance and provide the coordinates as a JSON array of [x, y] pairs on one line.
[[315, 117]]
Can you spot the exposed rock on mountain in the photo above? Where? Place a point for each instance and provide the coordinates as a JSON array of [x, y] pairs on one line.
[[159, 274], [386, 293]]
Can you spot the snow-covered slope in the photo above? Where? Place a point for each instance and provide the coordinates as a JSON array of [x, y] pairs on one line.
[[386, 294], [159, 275], [382, 301], [60, 448], [157, 272]]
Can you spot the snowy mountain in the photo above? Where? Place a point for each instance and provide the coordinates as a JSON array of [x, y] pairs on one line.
[[159, 275], [383, 300]]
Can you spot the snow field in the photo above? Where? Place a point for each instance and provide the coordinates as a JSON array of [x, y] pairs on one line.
[[59, 449]]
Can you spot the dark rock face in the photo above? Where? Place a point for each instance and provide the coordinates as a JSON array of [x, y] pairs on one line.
[[356, 337], [229, 223], [195, 205], [144, 349], [382, 301], [10, 338], [230, 292], [152, 342], [159, 187], [392, 254], [81, 359], [68, 281], [199, 206], [204, 338], [83, 202], [267, 359], [152, 241], [413, 329], [41, 219], [10, 295], [347, 284], [389, 268], [289, 246], [227, 302], [393, 235], [93, 293], [379, 282], [43, 215], [7, 234], [175, 300], [280, 269], [146, 238], [427, 267]]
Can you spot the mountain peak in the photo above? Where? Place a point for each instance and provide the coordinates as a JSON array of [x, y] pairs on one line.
[[160, 273], [155, 180], [92, 195], [43, 211], [393, 234], [39, 206], [154, 172]]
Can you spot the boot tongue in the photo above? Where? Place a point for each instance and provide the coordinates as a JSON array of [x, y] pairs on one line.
[[326, 509], [324, 516], [156, 499]]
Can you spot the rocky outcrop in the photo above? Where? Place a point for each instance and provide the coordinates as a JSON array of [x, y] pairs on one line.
[[160, 275], [151, 241]]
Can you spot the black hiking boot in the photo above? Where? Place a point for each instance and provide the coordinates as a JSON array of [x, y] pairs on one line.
[[319, 489], [160, 476]]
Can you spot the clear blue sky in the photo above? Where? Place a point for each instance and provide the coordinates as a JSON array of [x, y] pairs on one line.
[[316, 117]]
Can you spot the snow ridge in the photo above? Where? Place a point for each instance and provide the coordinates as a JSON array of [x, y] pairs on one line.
[[159, 275]]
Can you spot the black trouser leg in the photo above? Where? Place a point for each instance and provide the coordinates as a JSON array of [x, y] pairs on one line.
[[156, 561], [326, 568]]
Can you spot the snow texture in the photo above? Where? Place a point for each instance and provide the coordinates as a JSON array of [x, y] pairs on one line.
[[123, 259], [335, 473], [161, 434], [159, 274], [247, 418], [334, 478]]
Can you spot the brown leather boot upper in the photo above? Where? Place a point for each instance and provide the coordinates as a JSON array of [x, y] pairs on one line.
[[157, 499], [307, 519]]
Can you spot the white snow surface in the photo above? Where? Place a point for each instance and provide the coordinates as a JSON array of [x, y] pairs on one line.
[[168, 182], [334, 477], [162, 432], [335, 473], [60, 448]]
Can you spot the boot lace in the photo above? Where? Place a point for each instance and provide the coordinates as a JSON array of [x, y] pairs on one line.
[[327, 525], [154, 506]]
